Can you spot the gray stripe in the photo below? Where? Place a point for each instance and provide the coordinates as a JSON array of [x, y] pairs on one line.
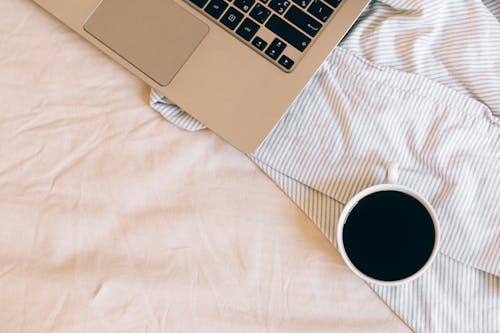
[[493, 6]]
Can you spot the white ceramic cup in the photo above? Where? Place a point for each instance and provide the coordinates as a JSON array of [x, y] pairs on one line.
[[391, 185]]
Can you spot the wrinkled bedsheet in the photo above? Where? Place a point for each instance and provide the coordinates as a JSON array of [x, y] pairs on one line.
[[114, 220]]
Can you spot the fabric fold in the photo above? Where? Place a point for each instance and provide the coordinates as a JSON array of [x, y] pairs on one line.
[[449, 297], [173, 113], [354, 118], [455, 43]]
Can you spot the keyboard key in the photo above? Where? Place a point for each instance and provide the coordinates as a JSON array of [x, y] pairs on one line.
[[333, 3], [290, 34], [244, 5], [286, 62], [264, 1], [247, 29], [259, 43], [231, 18], [320, 10], [302, 3], [279, 5], [200, 3], [260, 13], [216, 7], [303, 21], [274, 50]]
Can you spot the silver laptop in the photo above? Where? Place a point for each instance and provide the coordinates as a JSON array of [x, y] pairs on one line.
[[235, 65]]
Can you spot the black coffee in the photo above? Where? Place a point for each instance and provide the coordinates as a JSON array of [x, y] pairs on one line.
[[389, 235]]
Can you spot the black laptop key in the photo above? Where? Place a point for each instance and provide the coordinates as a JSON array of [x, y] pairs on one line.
[[290, 34], [302, 3], [244, 5], [259, 43], [216, 7], [260, 13], [279, 5], [275, 49], [199, 3], [333, 3], [231, 18], [319, 10], [278, 44], [286, 62], [303, 21], [247, 29]]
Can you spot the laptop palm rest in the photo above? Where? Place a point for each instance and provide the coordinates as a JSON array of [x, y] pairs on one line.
[[155, 36]]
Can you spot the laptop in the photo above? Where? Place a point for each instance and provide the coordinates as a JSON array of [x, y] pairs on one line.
[[234, 65]]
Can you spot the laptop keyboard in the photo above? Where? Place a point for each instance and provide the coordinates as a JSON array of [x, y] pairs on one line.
[[279, 30]]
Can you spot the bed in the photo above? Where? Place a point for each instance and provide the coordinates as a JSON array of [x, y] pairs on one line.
[[114, 220]]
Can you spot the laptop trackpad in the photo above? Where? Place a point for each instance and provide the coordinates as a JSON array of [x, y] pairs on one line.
[[155, 36]]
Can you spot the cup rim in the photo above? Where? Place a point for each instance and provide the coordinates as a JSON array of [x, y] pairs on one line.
[[382, 188]]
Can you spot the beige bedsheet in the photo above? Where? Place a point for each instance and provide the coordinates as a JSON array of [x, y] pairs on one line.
[[113, 220]]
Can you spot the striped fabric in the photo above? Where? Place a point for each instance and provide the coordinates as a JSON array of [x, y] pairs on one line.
[[354, 119], [362, 117], [453, 42], [449, 297], [494, 7], [173, 114], [415, 82]]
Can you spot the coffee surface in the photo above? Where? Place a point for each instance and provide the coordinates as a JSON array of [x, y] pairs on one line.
[[389, 235]]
